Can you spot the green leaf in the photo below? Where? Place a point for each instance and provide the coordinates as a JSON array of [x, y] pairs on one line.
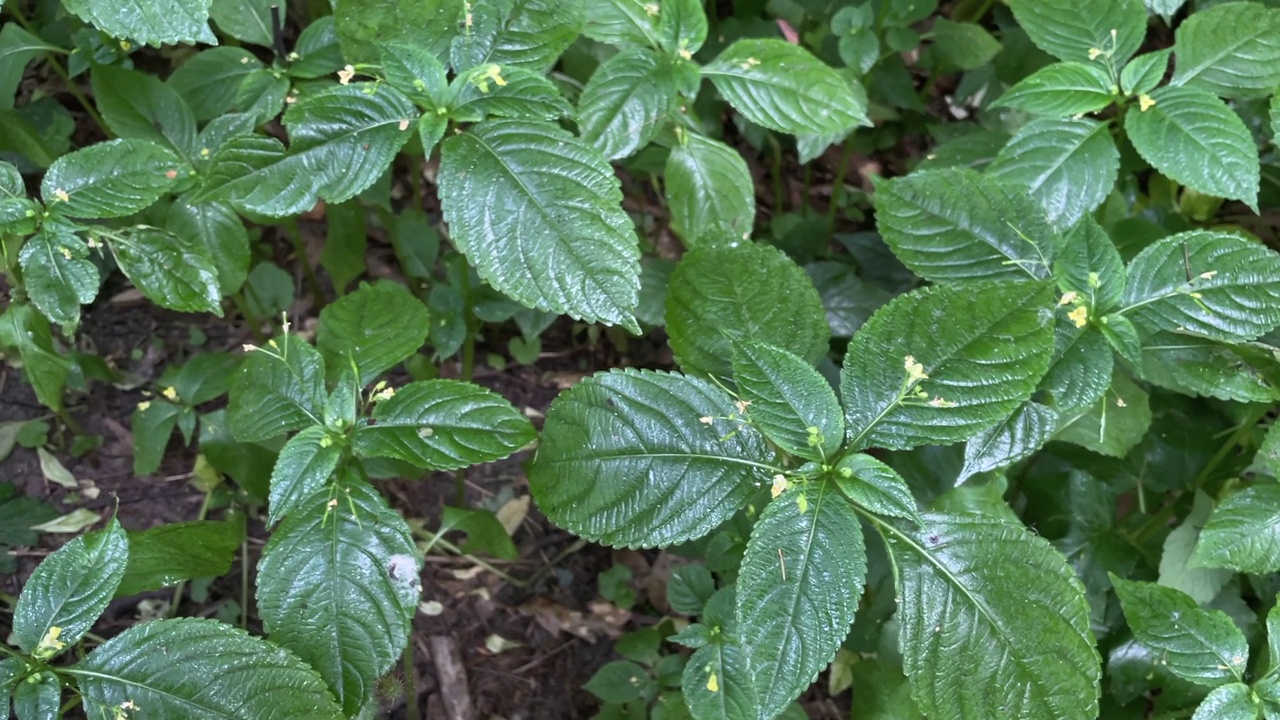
[[208, 80], [262, 95], [1090, 266], [46, 370], [628, 99], [625, 460], [1243, 532], [111, 179], [848, 299], [1143, 73], [1165, 8], [70, 589], [789, 401], [682, 27], [716, 684], [246, 20], [152, 22], [346, 241], [798, 590], [304, 467], [538, 214], [1269, 454], [1062, 90], [1232, 49], [138, 105], [168, 554], [485, 533], [209, 671], [619, 682], [1179, 567], [965, 45], [152, 424], [377, 326], [993, 622], [18, 512], [1011, 440], [173, 271], [1122, 335], [525, 33], [1202, 646], [1073, 29], [1193, 138], [17, 48], [414, 71], [279, 388], [339, 587], [956, 224], [712, 305], [341, 140], [525, 95], [961, 338], [39, 698], [1198, 366], [1068, 166], [57, 273], [1233, 293], [623, 23], [217, 230], [1228, 702], [876, 487], [689, 589], [709, 191], [427, 24], [783, 87], [1114, 424], [444, 425]]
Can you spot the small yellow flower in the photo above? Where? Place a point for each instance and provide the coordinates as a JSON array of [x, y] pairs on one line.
[[1079, 316], [706, 420], [404, 125], [750, 63], [426, 432], [171, 393], [1208, 275], [712, 684], [1068, 298], [938, 402], [779, 485], [345, 75], [1094, 53], [915, 370], [742, 405], [142, 406], [1145, 102], [651, 9], [61, 195], [50, 644]]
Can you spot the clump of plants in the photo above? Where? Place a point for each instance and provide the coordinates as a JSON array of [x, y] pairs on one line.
[[988, 437]]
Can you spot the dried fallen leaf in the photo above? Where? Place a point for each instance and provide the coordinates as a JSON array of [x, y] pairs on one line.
[[72, 522], [605, 619], [54, 471], [513, 513], [431, 608], [496, 644]]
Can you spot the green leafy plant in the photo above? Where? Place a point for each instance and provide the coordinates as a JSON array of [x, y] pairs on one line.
[[1003, 452]]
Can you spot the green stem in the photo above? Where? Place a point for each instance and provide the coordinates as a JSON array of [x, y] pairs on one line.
[[467, 370], [1234, 441], [255, 324], [61, 72], [837, 187], [778, 205], [290, 228], [244, 584], [410, 682], [181, 587]]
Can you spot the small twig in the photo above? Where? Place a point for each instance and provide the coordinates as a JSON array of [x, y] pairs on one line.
[[452, 674]]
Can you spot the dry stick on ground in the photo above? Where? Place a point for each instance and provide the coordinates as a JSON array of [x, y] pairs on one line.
[[454, 690]]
